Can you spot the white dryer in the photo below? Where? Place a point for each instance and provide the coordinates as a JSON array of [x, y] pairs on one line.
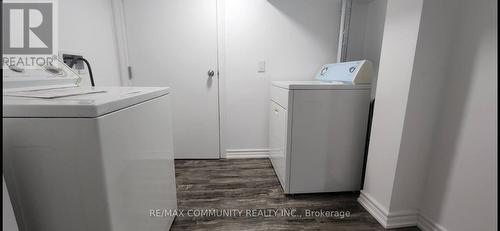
[[318, 129], [86, 158]]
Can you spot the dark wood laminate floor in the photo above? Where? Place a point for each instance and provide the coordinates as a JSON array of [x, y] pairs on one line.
[[248, 184]]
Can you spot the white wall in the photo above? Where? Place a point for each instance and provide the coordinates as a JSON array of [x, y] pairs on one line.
[[294, 37], [440, 172], [396, 67], [461, 190], [430, 69], [86, 27], [366, 33]]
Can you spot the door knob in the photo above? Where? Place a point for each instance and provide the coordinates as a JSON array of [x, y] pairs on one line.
[[211, 73]]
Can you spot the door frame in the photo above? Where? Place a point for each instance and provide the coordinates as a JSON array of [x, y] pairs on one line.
[[124, 63], [121, 41]]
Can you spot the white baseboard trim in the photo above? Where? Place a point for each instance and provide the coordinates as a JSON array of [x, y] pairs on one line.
[[373, 207], [387, 220], [246, 153], [426, 224], [402, 219]]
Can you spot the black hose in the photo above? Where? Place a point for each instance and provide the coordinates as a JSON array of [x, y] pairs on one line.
[[73, 62]]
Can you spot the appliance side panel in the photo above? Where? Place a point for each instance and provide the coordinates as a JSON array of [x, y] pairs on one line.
[[277, 140], [9, 222], [138, 157], [279, 136], [52, 167], [280, 96], [288, 151], [329, 133]]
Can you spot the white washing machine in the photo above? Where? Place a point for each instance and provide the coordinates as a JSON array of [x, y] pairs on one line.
[[318, 129], [83, 158]]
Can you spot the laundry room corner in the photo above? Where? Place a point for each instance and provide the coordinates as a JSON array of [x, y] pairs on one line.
[[251, 115]]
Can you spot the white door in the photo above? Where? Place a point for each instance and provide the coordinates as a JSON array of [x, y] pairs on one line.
[[174, 43]]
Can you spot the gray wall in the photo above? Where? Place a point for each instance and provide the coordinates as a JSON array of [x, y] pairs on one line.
[[433, 152], [86, 27], [366, 32], [294, 37], [461, 190]]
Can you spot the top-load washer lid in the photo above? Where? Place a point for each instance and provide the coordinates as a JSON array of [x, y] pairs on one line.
[[102, 101], [318, 85], [53, 91]]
